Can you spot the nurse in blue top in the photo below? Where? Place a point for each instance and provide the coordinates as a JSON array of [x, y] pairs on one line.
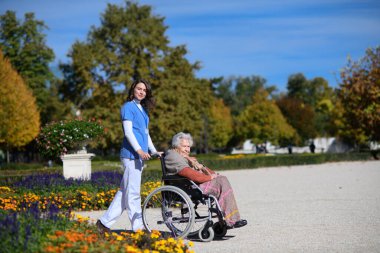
[[134, 150]]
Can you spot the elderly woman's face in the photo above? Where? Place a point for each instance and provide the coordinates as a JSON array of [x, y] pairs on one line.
[[184, 147]]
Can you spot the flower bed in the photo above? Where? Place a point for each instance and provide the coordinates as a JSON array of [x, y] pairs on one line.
[[35, 216], [73, 198], [34, 230]]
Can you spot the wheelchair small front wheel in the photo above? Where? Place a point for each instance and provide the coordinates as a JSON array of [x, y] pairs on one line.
[[169, 210], [206, 235], [220, 229]]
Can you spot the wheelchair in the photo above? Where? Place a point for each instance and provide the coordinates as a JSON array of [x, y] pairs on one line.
[[179, 208]]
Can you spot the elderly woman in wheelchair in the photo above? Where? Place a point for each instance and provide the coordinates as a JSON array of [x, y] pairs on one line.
[[191, 197]]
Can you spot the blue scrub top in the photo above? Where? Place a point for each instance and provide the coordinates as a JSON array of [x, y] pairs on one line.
[[140, 120]]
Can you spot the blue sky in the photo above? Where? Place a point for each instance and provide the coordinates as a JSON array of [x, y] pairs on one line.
[[269, 38]]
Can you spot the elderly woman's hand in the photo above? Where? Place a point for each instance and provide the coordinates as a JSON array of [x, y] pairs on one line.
[[192, 160]]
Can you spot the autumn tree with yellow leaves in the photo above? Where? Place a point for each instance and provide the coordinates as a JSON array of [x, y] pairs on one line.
[[359, 93], [262, 121], [20, 118], [220, 124]]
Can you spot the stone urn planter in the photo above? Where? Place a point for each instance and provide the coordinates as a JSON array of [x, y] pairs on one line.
[[77, 166], [68, 140]]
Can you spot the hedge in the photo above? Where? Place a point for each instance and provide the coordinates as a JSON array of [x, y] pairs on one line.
[[282, 160]]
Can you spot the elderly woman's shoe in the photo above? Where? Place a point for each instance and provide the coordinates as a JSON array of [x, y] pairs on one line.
[[238, 224]]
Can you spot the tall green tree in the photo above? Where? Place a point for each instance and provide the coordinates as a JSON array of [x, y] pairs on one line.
[[220, 124], [359, 93], [318, 93], [263, 121], [297, 86], [108, 111], [183, 101], [237, 92], [24, 44], [20, 118], [314, 94], [131, 43], [311, 92], [300, 116]]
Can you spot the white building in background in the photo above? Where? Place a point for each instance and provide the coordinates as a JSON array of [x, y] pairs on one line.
[[322, 145], [248, 148], [374, 145]]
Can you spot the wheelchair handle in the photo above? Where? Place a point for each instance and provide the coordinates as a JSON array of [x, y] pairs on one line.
[[155, 155]]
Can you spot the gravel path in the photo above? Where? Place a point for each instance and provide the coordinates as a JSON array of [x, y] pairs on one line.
[[333, 207]]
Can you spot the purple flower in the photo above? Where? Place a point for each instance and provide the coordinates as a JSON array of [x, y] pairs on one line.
[[41, 182]]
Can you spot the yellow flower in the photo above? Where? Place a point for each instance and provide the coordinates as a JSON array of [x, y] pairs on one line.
[[5, 189], [154, 236], [178, 250], [131, 249]]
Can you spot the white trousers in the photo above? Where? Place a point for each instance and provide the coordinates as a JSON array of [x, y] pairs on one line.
[[128, 197]]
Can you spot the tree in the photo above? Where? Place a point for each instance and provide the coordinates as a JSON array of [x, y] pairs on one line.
[[297, 86], [220, 125], [311, 92], [341, 128], [314, 94], [300, 116], [24, 44], [359, 93], [55, 109], [18, 111], [263, 121], [237, 92], [318, 93], [109, 113], [183, 102], [130, 43]]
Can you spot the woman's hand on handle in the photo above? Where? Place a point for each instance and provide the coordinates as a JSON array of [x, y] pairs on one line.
[[143, 155], [157, 154]]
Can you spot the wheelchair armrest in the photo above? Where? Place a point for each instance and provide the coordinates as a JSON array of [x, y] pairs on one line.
[[179, 181], [189, 186], [174, 177]]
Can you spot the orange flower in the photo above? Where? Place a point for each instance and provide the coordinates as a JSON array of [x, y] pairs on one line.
[[59, 233], [54, 249], [84, 249]]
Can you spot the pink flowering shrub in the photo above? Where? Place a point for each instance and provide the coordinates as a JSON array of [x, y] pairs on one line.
[[57, 138]]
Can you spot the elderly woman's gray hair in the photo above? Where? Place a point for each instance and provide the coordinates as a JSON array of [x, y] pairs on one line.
[[176, 141]]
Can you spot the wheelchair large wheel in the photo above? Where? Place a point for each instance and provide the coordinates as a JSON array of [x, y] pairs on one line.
[[169, 210]]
